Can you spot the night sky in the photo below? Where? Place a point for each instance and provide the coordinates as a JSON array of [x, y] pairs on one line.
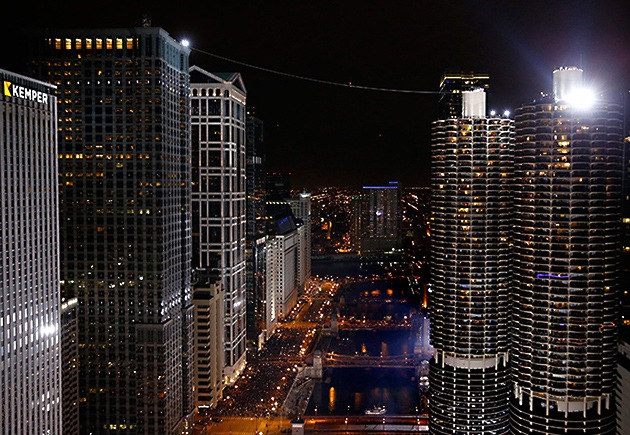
[[324, 134]]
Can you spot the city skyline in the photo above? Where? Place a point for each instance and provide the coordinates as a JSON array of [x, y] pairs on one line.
[[294, 60]]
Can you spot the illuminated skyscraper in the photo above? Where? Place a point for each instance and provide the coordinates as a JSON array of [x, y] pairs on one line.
[[472, 162], [125, 233], [218, 142], [453, 84], [568, 165], [30, 303]]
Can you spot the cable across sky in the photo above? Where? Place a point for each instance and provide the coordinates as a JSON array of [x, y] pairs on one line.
[[311, 79]]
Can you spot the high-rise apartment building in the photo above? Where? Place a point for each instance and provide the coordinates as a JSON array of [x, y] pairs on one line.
[[30, 302], [381, 218], [125, 232], [565, 300], [472, 162], [209, 300], [219, 191], [453, 84]]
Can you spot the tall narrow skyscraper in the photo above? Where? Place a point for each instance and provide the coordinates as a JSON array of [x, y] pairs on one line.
[[472, 162], [30, 303], [125, 233], [568, 165], [381, 218], [218, 138], [256, 226], [301, 208]]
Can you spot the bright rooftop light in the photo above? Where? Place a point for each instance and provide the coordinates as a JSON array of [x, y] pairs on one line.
[[582, 98]]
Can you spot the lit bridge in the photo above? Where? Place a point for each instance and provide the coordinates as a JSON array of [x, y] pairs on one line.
[[395, 361]]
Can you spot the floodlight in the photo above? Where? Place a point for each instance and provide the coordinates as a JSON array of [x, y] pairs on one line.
[[581, 98]]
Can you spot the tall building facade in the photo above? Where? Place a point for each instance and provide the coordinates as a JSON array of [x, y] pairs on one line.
[[622, 393], [282, 269], [70, 366], [568, 165], [301, 208], [472, 163], [219, 192], [381, 218], [256, 226], [209, 301], [453, 84], [125, 233], [30, 302]]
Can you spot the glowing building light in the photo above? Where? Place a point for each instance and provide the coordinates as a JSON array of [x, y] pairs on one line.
[[582, 98]]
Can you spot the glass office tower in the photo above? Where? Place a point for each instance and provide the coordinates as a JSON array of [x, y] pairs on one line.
[[568, 165], [30, 323], [472, 162], [125, 213]]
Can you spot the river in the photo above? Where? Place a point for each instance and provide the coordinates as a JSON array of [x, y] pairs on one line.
[[352, 390]]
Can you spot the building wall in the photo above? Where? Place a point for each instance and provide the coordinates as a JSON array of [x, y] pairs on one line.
[[255, 271], [30, 328], [282, 277], [219, 192], [452, 85], [472, 161], [381, 218], [566, 267], [70, 366], [124, 177], [274, 281], [209, 308], [301, 207], [622, 397]]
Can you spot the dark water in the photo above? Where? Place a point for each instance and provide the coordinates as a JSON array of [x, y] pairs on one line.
[[349, 391], [374, 342]]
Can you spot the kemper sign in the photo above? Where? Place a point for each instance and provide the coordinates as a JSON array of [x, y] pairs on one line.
[[13, 90]]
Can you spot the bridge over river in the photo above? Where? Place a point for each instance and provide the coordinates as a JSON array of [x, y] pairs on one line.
[[331, 359], [367, 424]]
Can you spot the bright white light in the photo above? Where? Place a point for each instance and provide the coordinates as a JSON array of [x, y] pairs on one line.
[[185, 42], [493, 113], [506, 113], [582, 98], [48, 330]]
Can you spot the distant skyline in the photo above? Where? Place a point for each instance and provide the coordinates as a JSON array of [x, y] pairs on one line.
[[325, 134]]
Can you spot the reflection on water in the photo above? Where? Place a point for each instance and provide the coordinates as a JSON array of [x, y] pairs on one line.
[[350, 391], [331, 398]]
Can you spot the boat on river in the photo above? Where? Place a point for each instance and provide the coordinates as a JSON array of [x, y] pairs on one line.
[[376, 410]]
